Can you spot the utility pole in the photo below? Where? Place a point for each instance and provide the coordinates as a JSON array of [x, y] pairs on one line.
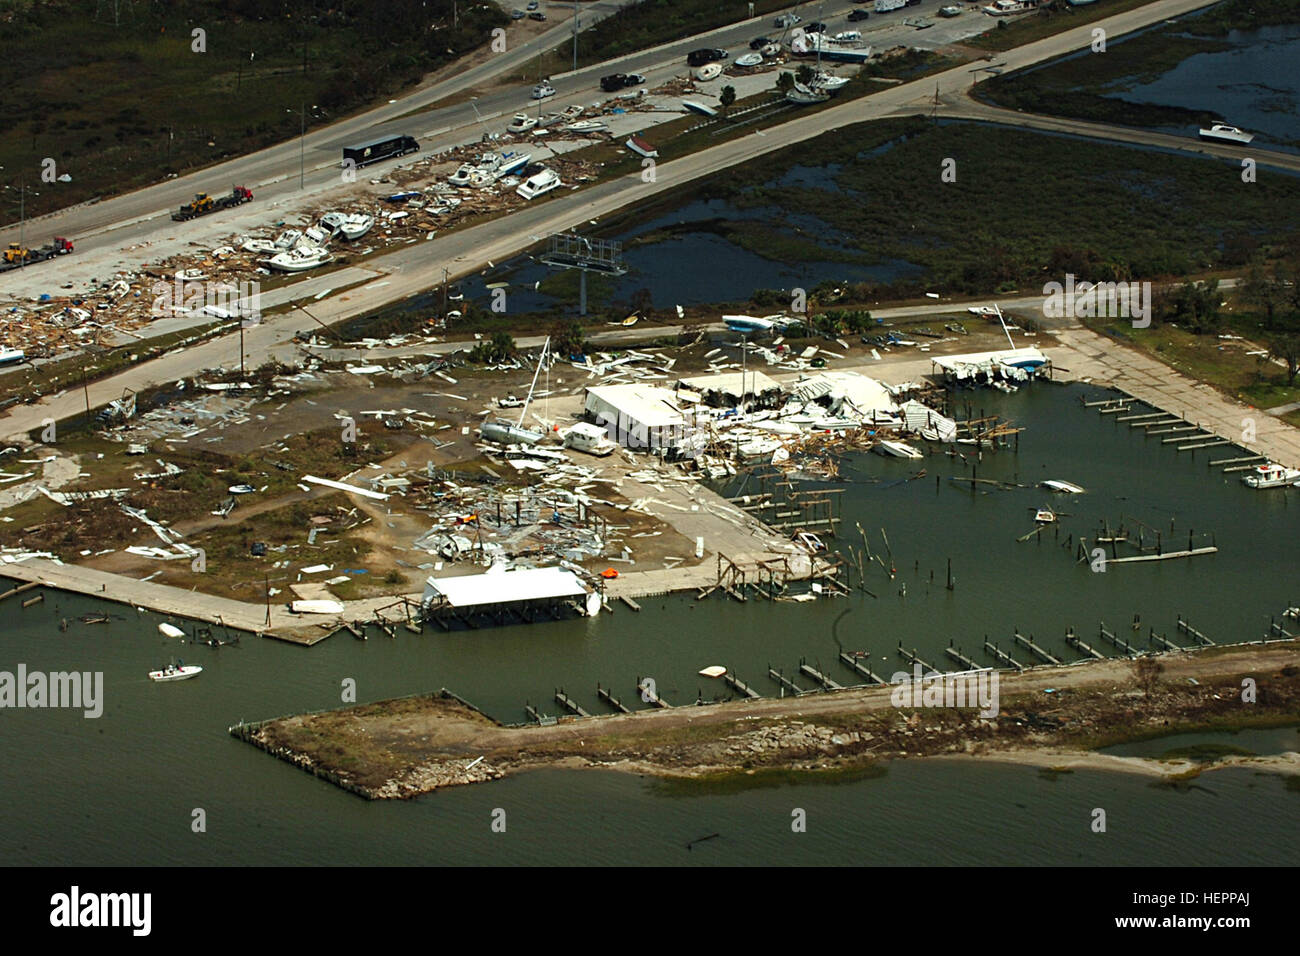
[[575, 37], [85, 389], [241, 343], [302, 154]]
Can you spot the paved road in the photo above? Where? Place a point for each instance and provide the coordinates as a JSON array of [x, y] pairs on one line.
[[323, 147], [413, 268]]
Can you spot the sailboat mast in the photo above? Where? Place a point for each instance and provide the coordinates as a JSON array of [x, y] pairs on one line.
[[540, 359], [1005, 330]]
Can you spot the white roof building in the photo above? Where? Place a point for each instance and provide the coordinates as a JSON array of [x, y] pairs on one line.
[[636, 415]]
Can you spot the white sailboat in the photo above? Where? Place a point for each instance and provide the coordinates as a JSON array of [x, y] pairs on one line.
[[514, 433]]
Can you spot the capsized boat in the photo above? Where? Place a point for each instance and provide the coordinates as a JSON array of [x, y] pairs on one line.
[[897, 449], [241, 489], [180, 671], [170, 630], [716, 670], [1271, 475], [750, 59], [1065, 487], [316, 607]]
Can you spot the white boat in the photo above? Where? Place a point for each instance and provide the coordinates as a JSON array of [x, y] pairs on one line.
[[316, 607], [356, 225], [699, 108], [333, 221], [1065, 487], [750, 59], [512, 163], [1005, 8], [717, 670], [514, 433], [522, 123], [707, 72], [300, 260], [828, 82], [176, 672], [170, 630], [1271, 475], [543, 89], [260, 245], [241, 489], [539, 184], [462, 174], [585, 126], [641, 147], [588, 438], [1227, 134], [480, 178], [897, 448], [801, 95], [1044, 516], [314, 237]]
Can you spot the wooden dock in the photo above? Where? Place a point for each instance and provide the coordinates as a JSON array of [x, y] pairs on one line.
[[1186, 628], [862, 670], [1159, 640], [809, 671], [913, 658], [785, 682], [1028, 643], [604, 694], [1001, 656], [1073, 640], [739, 686], [649, 695], [569, 704], [1121, 645], [956, 654]]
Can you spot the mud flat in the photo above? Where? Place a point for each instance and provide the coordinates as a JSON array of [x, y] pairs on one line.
[[1051, 717]]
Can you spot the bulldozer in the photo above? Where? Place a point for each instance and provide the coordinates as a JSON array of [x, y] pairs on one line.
[[202, 203], [15, 253]]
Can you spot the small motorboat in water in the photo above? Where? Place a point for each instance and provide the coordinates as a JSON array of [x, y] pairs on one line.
[[180, 671], [897, 449], [1065, 487]]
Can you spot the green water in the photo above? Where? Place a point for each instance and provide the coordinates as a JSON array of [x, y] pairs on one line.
[[121, 789]]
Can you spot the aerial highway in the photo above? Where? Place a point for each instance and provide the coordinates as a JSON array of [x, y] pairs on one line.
[[414, 268]]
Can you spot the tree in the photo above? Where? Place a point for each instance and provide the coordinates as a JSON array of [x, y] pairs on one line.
[[1265, 290], [494, 350], [568, 339], [727, 97], [1147, 670], [1196, 305], [785, 81], [1287, 348]]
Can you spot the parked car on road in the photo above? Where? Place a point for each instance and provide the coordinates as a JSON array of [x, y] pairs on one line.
[[787, 20], [618, 81], [517, 14], [758, 43], [857, 15], [537, 15], [701, 57]]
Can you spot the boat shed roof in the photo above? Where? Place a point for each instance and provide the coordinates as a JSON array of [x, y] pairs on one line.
[[648, 405], [504, 587], [736, 384]]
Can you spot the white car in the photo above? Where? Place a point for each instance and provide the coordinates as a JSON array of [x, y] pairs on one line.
[[543, 89], [788, 20], [848, 36]]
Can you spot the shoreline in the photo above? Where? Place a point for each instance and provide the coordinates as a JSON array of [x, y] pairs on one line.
[[407, 747]]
